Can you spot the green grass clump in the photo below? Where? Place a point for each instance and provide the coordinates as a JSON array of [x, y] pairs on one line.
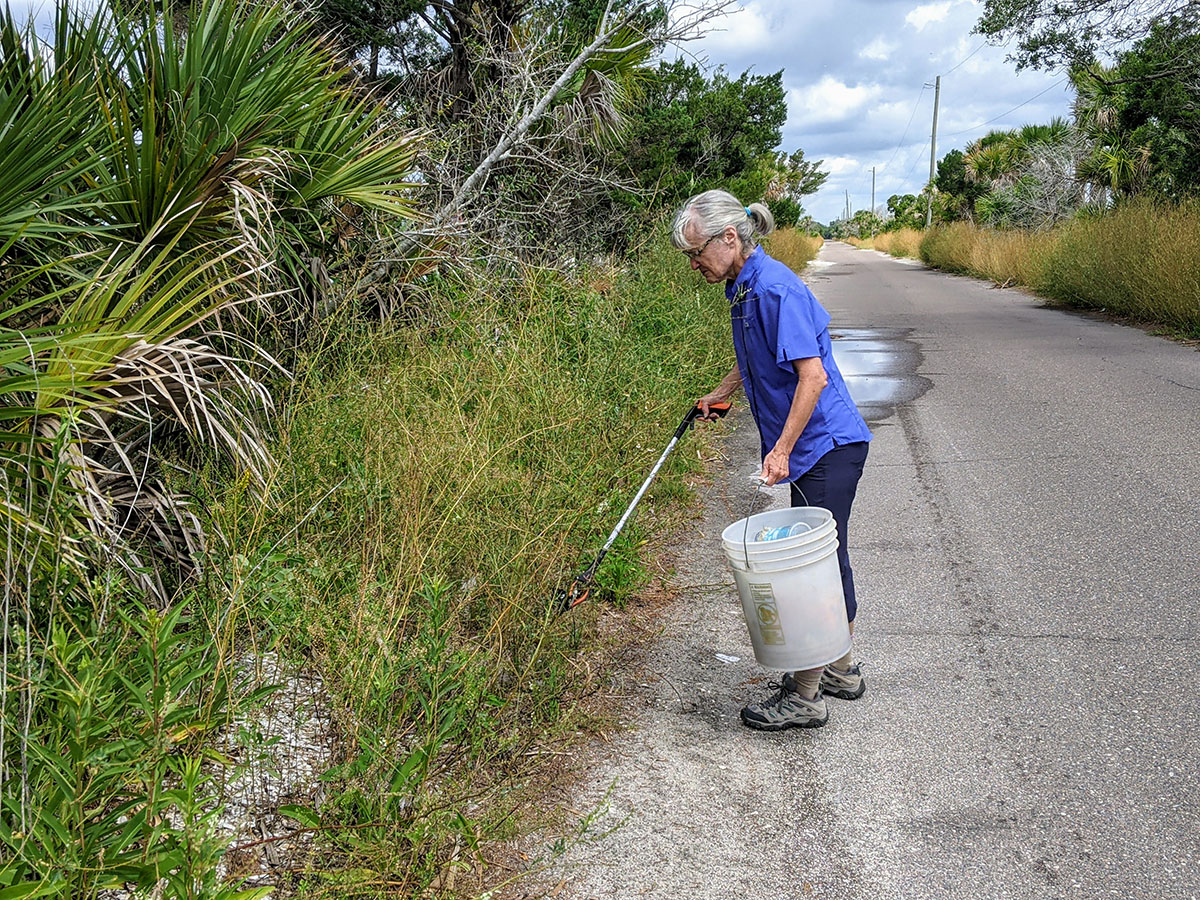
[[437, 483]]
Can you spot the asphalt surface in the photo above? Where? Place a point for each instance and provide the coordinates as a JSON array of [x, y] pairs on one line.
[[1025, 550]]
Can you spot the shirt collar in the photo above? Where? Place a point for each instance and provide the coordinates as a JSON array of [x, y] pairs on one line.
[[745, 279]]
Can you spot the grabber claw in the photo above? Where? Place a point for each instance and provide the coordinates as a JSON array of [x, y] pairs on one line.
[[573, 596], [581, 587]]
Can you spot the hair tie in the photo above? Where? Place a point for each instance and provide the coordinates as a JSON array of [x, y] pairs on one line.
[[750, 214]]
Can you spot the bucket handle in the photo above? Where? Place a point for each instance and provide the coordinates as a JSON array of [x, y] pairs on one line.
[[758, 483]]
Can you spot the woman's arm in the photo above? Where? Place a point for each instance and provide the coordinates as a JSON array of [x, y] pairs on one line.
[[812, 380]]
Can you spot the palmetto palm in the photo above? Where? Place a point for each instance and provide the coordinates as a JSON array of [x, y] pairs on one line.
[[150, 182]]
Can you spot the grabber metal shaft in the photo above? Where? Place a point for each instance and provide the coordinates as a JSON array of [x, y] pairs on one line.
[[582, 585]]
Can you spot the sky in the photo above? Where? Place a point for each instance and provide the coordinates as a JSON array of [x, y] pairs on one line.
[[855, 73]]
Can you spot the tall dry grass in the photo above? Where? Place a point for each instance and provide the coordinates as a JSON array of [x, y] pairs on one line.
[[1005, 257], [1143, 260], [905, 242], [795, 249], [1138, 260]]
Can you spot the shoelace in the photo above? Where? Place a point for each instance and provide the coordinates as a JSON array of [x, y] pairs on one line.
[[780, 693]]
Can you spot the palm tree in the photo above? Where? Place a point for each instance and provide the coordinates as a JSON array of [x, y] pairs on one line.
[[153, 184]]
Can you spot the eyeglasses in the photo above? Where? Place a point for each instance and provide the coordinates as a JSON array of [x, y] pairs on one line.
[[695, 254]]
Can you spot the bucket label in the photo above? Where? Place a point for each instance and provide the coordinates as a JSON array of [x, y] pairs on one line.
[[767, 612]]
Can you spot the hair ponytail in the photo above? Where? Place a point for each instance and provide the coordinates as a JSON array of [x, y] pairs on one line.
[[761, 218]]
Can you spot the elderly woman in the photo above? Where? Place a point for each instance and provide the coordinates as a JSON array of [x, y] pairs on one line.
[[812, 434]]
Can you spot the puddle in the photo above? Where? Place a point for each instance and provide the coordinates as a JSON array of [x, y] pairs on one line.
[[880, 367]]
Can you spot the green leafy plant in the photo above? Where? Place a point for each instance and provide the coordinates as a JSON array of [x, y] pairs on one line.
[[99, 790]]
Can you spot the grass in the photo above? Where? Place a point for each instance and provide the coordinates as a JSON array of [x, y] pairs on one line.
[[1137, 261], [433, 484], [904, 242], [793, 248], [437, 484]]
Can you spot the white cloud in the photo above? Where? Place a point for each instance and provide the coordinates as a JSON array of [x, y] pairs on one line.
[[745, 29], [879, 49], [842, 165], [928, 13], [829, 100]]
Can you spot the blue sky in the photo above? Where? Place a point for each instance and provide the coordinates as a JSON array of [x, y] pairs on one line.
[[854, 72]]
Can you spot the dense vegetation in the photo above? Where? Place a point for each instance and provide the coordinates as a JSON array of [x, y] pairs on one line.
[[318, 364]]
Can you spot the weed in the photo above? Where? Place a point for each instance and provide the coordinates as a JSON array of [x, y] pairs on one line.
[[436, 485]]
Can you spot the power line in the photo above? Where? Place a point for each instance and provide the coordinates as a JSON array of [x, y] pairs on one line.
[[1013, 110], [916, 105], [924, 88], [965, 58], [916, 160]]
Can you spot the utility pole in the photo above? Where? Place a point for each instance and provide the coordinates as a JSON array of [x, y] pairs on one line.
[[847, 206], [872, 198], [937, 94]]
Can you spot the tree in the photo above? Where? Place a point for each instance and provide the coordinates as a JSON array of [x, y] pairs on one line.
[[907, 211], [1055, 33], [956, 187], [690, 132], [1025, 177], [787, 212], [1146, 130]]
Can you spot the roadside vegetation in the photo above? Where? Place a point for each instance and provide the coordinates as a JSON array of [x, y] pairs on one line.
[[901, 242], [319, 365], [1136, 261], [793, 247]]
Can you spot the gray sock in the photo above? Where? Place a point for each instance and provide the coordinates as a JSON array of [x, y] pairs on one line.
[[843, 664]]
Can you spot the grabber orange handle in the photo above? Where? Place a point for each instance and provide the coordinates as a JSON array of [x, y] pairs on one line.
[[720, 409]]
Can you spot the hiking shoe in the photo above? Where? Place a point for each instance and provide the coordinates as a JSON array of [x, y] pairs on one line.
[[845, 684], [785, 709]]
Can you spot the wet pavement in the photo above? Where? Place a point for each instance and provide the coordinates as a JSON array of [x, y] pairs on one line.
[[880, 368]]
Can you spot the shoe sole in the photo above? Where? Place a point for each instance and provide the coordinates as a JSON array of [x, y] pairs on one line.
[[781, 726], [845, 694]]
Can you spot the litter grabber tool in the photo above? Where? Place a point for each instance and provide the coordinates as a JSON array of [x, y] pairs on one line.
[[581, 586]]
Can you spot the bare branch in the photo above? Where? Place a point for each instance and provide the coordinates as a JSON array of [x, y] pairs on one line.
[[681, 28]]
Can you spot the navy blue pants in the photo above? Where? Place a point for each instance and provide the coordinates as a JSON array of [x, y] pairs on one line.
[[832, 484]]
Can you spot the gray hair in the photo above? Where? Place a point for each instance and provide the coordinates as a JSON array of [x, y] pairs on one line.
[[713, 211]]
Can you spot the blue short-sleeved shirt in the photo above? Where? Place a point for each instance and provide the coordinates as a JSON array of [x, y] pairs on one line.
[[777, 320]]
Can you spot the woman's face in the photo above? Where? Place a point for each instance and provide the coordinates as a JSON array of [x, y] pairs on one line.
[[715, 256]]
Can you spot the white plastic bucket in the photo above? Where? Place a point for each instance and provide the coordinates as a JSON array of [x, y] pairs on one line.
[[791, 589]]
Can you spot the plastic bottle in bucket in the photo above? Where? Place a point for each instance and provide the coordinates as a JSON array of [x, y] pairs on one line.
[[775, 534]]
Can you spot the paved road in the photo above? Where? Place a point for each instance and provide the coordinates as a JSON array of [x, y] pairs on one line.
[[1025, 546]]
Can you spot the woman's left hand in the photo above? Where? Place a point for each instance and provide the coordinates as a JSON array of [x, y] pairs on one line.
[[775, 467]]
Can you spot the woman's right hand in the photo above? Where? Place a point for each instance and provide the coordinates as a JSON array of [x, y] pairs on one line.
[[708, 400]]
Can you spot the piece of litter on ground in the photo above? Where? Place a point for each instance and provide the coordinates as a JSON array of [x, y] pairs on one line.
[[726, 658]]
